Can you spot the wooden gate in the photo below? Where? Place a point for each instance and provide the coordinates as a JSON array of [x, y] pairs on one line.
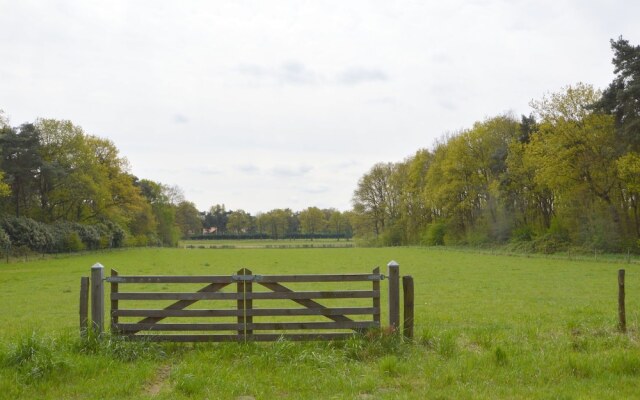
[[234, 308]]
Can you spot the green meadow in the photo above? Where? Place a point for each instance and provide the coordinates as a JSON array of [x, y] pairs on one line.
[[487, 326]]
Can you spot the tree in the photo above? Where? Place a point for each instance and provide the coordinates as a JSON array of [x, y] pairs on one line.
[[21, 162], [338, 223], [574, 151], [217, 217], [188, 218], [628, 167], [275, 223], [5, 189], [622, 98], [83, 178], [239, 222], [163, 211], [464, 180], [312, 221], [375, 199]]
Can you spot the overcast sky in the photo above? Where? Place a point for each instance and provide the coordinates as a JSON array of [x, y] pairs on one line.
[[272, 104]]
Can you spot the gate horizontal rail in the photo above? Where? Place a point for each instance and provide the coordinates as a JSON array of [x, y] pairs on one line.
[[352, 294], [235, 278]]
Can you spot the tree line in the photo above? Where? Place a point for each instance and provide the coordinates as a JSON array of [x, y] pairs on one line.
[[279, 223], [63, 190], [566, 175]]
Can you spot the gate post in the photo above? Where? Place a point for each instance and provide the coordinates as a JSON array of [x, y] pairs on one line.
[[407, 295], [97, 298], [245, 304], [622, 315], [394, 294], [84, 305]]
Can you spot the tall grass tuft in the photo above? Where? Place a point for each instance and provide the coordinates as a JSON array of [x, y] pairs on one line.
[[116, 347], [34, 357]]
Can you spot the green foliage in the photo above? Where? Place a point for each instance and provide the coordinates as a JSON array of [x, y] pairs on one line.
[[523, 234], [26, 232], [622, 98], [73, 243], [5, 240], [435, 234], [393, 236]]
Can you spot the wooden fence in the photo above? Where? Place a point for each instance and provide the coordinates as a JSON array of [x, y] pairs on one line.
[[244, 306]]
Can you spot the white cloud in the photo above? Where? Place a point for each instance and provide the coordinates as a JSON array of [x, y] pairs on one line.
[[265, 99]]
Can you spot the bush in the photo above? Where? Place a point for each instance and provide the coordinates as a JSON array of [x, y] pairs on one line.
[[111, 235], [90, 236], [434, 236], [392, 236], [73, 243], [26, 232], [522, 234], [5, 240]]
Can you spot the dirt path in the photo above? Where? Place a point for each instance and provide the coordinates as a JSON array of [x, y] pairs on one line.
[[154, 387]]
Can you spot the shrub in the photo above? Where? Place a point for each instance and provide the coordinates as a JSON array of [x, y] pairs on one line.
[[393, 236], [434, 236], [26, 232], [5, 240], [90, 236], [111, 235], [73, 243], [522, 234]]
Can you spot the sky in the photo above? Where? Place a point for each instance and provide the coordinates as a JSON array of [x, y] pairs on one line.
[[287, 104]]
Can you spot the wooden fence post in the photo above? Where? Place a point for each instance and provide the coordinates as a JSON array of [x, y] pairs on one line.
[[97, 298], [394, 294], [114, 304], [84, 305], [244, 304], [621, 309], [407, 289]]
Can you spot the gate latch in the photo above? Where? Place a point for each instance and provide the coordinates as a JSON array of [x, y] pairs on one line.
[[246, 278]]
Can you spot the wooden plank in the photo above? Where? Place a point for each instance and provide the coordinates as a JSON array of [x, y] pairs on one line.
[[114, 303], [276, 287], [407, 289], [345, 294], [84, 304], [376, 300], [270, 326], [182, 304], [265, 312], [256, 278], [275, 326], [136, 327], [319, 278], [172, 279], [235, 338]]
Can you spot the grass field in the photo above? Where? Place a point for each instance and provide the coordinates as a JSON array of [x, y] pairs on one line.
[[267, 243], [487, 326]]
